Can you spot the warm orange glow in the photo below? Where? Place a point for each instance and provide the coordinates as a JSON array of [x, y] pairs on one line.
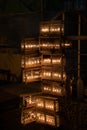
[[44, 61], [47, 60], [52, 61], [29, 62], [56, 61], [54, 90], [29, 101], [22, 46], [58, 91], [49, 105], [50, 120], [27, 45], [40, 117], [46, 74], [47, 89], [31, 75], [44, 45], [57, 46], [53, 75], [48, 45], [44, 29], [28, 117], [40, 103], [51, 27], [66, 44]]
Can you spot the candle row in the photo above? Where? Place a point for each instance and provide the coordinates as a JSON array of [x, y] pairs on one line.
[[60, 91], [29, 62], [44, 45], [51, 27], [27, 76]]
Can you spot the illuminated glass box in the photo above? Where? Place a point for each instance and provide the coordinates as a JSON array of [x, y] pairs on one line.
[[38, 108], [28, 116], [28, 108], [52, 44], [40, 117], [53, 88], [47, 103], [52, 73], [30, 61], [29, 44], [31, 75], [49, 44], [44, 61], [28, 100], [53, 59], [48, 119], [52, 27], [53, 120]]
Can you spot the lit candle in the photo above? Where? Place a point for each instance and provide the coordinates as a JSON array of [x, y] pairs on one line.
[[22, 46], [45, 29], [52, 29], [26, 46]]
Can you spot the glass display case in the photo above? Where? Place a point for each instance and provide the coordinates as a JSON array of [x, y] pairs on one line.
[[52, 27], [29, 44], [28, 116], [53, 59], [28, 100], [40, 117], [49, 44], [47, 103], [53, 88], [45, 61], [52, 120], [31, 75], [28, 61], [52, 73]]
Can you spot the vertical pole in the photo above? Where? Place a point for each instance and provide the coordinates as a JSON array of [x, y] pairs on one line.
[[80, 85], [79, 22], [63, 18]]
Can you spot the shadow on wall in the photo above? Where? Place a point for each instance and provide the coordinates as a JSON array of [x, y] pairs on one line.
[[10, 67]]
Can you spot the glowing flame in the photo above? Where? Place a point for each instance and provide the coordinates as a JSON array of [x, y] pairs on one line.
[[44, 29], [56, 61]]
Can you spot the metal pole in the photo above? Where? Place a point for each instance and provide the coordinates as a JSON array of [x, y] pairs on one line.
[[61, 48], [80, 85], [63, 17], [79, 23]]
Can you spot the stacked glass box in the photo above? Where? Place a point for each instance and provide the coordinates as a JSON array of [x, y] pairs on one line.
[[28, 108], [31, 61], [53, 61], [53, 74], [45, 61], [47, 109]]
